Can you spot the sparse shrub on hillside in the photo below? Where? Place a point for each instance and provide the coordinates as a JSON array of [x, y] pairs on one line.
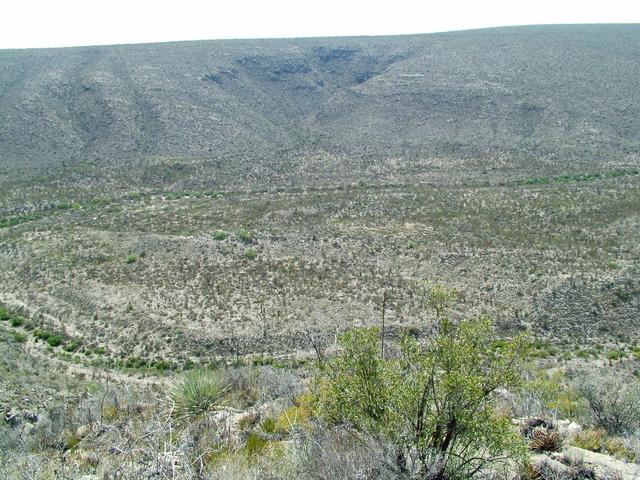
[[20, 337], [592, 440], [550, 395], [439, 297], [196, 393], [220, 235], [243, 390], [245, 236], [338, 454], [131, 259], [599, 441], [55, 340], [614, 406], [71, 346], [250, 253], [620, 448]]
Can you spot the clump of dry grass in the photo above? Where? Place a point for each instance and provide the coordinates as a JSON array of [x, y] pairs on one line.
[[545, 439]]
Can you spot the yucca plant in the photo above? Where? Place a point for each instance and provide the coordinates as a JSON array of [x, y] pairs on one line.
[[196, 393]]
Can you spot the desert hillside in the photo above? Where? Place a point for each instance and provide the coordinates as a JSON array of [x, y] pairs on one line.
[[228, 196], [196, 237], [315, 111]]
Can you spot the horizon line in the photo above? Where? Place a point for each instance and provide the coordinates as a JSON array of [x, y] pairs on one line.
[[318, 37]]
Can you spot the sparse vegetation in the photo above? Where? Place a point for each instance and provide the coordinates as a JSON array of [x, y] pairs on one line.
[[213, 258], [245, 236], [250, 253], [615, 406], [220, 235]]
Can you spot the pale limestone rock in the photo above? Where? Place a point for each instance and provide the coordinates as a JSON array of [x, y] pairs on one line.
[[568, 429], [544, 464], [603, 465]]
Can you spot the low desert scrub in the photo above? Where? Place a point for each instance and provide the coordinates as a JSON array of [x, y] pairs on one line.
[[250, 253], [323, 454], [245, 236], [220, 235], [614, 406], [297, 416], [599, 441], [549, 395], [547, 469]]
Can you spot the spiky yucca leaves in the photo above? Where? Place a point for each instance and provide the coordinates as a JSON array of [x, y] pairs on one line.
[[195, 393], [544, 439]]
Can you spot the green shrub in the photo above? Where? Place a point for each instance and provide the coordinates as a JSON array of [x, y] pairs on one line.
[[131, 259], [245, 236], [552, 395], [71, 346], [42, 334], [297, 416], [436, 400], [16, 321], [250, 253], [18, 219], [55, 340], [20, 337], [135, 362], [269, 426], [220, 235], [617, 447], [4, 314], [196, 393], [614, 355]]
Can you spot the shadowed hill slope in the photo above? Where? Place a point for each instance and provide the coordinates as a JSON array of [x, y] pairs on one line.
[[268, 111]]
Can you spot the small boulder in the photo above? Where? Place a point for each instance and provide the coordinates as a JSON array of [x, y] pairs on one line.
[[30, 417], [82, 431], [567, 428], [13, 418], [547, 467]]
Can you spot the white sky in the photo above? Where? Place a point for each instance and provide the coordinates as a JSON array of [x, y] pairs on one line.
[[55, 23]]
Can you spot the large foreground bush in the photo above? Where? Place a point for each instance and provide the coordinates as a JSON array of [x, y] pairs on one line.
[[434, 401]]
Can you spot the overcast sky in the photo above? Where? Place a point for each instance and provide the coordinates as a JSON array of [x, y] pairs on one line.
[[55, 23]]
